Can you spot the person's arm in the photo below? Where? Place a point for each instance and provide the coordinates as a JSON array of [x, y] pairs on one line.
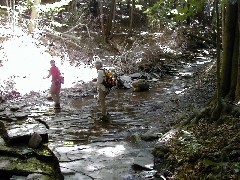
[[100, 77], [48, 75]]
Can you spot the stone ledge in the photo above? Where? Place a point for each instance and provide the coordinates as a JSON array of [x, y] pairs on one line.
[[16, 158], [21, 131]]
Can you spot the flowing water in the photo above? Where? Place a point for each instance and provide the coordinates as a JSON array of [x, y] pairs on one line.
[[87, 147]]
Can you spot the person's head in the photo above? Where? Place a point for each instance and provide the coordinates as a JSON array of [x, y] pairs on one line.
[[98, 64], [52, 62]]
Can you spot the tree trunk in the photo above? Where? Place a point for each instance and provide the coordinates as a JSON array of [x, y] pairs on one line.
[[131, 17], [234, 72], [223, 21], [113, 17], [238, 74], [102, 18], [228, 47], [219, 93], [111, 20], [229, 66], [34, 16]]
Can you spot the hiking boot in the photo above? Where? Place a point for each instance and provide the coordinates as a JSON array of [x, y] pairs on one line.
[[49, 98], [57, 106], [104, 118]]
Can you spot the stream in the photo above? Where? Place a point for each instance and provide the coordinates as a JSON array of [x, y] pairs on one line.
[[88, 148]]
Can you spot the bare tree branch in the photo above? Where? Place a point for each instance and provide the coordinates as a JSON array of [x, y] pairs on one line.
[[75, 27]]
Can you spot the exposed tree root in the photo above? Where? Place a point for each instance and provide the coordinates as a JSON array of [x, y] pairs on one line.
[[215, 112]]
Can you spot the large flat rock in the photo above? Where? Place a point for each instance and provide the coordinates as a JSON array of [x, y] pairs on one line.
[[21, 131]]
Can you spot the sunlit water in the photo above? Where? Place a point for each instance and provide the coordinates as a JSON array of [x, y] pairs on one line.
[[25, 62]]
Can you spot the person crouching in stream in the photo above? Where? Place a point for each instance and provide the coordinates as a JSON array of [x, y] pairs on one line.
[[101, 89], [56, 84]]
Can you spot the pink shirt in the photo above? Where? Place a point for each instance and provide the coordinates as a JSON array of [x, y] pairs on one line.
[[54, 71]]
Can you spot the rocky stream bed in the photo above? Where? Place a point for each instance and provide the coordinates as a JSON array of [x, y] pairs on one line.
[[78, 145]]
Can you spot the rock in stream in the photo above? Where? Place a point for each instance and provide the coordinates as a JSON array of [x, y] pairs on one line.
[[17, 159]]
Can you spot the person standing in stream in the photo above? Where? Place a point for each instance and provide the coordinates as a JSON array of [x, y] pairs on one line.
[[101, 89], [57, 80]]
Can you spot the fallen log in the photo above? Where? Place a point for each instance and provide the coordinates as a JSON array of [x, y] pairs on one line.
[[209, 41]]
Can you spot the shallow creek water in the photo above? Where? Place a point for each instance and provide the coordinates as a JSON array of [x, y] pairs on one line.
[[86, 147], [92, 149]]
